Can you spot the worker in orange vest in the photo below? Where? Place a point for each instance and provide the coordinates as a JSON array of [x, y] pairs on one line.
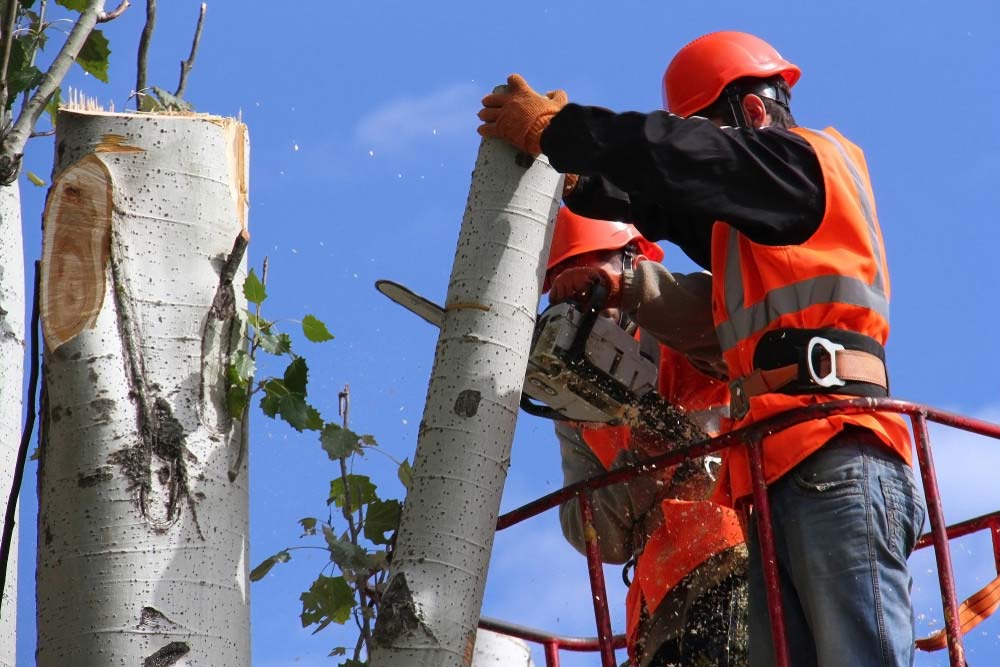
[[686, 602], [785, 219]]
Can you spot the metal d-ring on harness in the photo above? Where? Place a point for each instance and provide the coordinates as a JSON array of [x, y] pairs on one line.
[[812, 361]]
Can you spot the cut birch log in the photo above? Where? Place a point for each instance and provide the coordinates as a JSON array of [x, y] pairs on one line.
[[142, 556], [431, 606]]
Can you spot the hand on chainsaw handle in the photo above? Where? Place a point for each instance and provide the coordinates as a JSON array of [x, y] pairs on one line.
[[578, 283], [520, 115]]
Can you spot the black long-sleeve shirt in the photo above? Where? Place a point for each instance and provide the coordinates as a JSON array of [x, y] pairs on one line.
[[674, 177]]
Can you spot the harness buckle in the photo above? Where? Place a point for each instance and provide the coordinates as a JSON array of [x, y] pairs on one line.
[[739, 402], [831, 348]]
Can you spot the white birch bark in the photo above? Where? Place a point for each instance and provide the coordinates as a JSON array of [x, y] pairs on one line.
[[142, 537], [430, 609], [11, 380], [496, 650]]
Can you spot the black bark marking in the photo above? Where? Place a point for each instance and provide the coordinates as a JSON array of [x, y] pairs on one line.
[[467, 403], [168, 655], [160, 433], [399, 617], [220, 337], [151, 618], [102, 474]]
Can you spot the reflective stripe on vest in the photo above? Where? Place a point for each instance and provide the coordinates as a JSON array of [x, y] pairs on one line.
[[745, 321]]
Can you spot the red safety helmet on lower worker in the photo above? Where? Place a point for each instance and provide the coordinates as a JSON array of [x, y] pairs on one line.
[[700, 71], [575, 235]]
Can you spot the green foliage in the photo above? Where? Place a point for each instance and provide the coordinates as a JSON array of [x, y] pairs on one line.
[[22, 75], [357, 541], [340, 442], [261, 570], [328, 600], [253, 289], [315, 330], [351, 492], [162, 100], [93, 57], [75, 5]]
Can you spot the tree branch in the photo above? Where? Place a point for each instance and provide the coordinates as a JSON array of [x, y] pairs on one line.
[[104, 17], [186, 65], [143, 53], [6, 41], [13, 143]]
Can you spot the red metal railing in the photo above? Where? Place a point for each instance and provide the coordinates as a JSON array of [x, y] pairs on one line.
[[751, 436]]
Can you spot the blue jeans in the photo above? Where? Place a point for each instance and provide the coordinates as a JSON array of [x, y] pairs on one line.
[[845, 521]]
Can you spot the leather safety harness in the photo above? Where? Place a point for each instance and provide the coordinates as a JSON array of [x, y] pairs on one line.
[[812, 361]]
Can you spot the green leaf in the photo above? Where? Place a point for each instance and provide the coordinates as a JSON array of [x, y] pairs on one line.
[[368, 441], [296, 376], [253, 289], [52, 108], [353, 663], [22, 75], [242, 368], [275, 344], [328, 600], [361, 488], [75, 5], [269, 405], [308, 526], [36, 179], [148, 103], [236, 400], [382, 517], [349, 557], [261, 570], [93, 57], [339, 442], [405, 473], [300, 415], [315, 330], [169, 101], [340, 650], [258, 323]]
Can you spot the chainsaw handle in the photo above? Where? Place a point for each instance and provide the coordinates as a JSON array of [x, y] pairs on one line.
[[592, 310]]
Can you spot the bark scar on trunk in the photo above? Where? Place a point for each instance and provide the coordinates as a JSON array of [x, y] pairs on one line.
[[220, 337], [160, 433], [168, 655], [399, 619]]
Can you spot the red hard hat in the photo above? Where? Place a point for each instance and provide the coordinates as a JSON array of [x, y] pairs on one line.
[[575, 235], [701, 70]]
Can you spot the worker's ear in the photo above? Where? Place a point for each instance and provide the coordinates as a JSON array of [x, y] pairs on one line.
[[755, 111]]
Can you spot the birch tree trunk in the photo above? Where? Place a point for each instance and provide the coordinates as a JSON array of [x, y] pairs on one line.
[[496, 650], [142, 555], [11, 381], [430, 609]]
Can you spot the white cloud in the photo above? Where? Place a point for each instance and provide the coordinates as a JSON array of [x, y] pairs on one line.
[[966, 466], [405, 121]]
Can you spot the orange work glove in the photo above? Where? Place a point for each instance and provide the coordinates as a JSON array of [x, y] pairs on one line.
[[578, 282], [520, 115]]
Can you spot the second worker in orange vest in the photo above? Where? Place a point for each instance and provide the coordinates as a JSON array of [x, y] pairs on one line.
[[785, 219], [686, 602]]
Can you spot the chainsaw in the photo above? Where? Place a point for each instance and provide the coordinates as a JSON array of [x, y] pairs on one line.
[[582, 367]]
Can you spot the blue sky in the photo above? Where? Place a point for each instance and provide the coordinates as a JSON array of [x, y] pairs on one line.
[[362, 126]]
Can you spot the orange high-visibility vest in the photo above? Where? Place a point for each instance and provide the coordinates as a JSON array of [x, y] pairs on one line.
[[835, 279], [691, 532]]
